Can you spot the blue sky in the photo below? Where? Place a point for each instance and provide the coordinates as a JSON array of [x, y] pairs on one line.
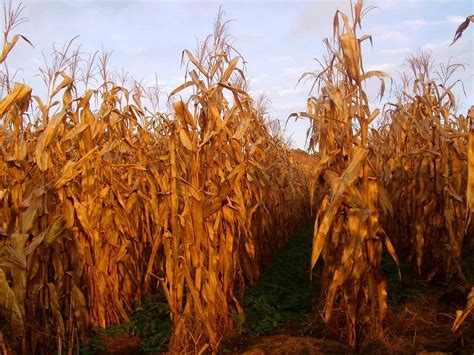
[[278, 39]]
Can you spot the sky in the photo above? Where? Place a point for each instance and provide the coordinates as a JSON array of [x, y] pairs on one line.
[[279, 40]]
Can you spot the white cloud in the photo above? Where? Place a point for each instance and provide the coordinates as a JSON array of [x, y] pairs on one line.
[[253, 38], [392, 36], [290, 91], [259, 93], [295, 72], [414, 24], [259, 78], [436, 45], [455, 19], [317, 16], [397, 5], [290, 107], [383, 66], [418, 24], [280, 59], [396, 52]]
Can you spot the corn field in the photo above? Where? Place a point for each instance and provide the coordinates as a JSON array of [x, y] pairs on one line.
[[100, 207], [103, 201]]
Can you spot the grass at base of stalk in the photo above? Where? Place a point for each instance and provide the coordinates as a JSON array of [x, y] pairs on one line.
[[284, 291], [410, 287], [150, 322], [404, 289], [468, 266]]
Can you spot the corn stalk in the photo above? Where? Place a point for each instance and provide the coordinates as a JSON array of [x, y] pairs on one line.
[[347, 229]]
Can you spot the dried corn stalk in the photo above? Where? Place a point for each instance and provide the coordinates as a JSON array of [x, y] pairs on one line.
[[470, 163], [462, 315], [347, 229]]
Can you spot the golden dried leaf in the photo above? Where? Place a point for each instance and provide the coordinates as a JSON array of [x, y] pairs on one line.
[[46, 138], [461, 315], [9, 303], [184, 138], [20, 93]]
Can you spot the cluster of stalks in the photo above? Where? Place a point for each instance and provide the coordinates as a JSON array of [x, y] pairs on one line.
[[421, 158], [401, 174], [103, 201]]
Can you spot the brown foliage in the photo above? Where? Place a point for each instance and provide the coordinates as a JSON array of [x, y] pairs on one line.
[[102, 202]]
